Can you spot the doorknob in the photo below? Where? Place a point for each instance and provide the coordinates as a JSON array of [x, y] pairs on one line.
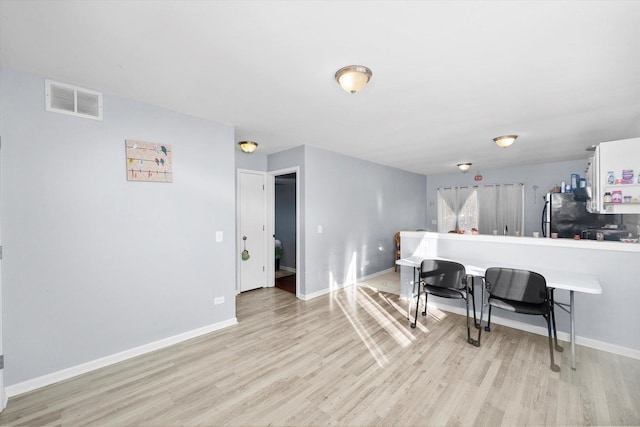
[[245, 252]]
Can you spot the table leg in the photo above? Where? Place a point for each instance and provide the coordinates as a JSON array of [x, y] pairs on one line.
[[410, 299], [573, 330]]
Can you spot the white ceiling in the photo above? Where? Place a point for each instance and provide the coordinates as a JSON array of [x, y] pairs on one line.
[[448, 76]]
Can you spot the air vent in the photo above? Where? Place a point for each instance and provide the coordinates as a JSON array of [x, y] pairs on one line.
[[73, 100]]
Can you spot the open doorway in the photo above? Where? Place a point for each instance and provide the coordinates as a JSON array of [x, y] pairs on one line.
[[285, 232]]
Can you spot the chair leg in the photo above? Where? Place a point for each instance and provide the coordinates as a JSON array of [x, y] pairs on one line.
[[553, 320], [480, 323], [469, 339], [471, 290], [488, 327], [415, 318], [554, 367], [426, 295]]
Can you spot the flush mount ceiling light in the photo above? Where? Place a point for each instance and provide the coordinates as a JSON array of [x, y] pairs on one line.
[[505, 140], [353, 77], [248, 146], [464, 167]]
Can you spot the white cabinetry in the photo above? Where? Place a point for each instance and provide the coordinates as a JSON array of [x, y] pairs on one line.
[[605, 176], [593, 183]]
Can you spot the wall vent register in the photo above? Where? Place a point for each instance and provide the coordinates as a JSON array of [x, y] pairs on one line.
[[73, 100]]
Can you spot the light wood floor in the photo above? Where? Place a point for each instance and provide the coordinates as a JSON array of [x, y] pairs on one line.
[[349, 358]]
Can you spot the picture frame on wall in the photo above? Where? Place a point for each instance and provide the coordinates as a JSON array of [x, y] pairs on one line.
[[148, 161]]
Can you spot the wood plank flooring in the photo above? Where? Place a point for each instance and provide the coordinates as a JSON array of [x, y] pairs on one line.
[[348, 358]]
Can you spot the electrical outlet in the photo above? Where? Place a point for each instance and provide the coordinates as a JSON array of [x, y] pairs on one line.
[[218, 300]]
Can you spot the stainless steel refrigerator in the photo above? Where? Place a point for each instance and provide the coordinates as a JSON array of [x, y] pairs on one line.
[[568, 217]]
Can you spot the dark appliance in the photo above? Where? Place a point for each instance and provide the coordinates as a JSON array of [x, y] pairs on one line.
[[568, 217], [606, 234]]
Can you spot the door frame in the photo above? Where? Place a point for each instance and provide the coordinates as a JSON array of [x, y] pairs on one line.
[[3, 394], [271, 212], [269, 260]]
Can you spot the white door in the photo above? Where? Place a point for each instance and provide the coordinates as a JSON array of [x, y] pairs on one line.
[[251, 230]]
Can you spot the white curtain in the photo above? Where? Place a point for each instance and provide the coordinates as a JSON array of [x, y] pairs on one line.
[[487, 209], [455, 198], [511, 208], [498, 207]]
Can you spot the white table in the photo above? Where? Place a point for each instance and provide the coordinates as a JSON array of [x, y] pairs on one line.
[[557, 279]]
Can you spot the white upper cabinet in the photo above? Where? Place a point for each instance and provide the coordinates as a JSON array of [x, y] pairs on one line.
[[613, 175]]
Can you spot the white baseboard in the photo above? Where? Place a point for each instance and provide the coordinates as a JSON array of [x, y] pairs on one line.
[[54, 377], [307, 297], [343, 285], [379, 273], [290, 269], [564, 336]]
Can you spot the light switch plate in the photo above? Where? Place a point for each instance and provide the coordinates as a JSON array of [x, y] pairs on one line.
[[218, 236], [319, 229]]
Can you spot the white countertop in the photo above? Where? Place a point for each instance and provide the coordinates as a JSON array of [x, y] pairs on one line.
[[532, 241]]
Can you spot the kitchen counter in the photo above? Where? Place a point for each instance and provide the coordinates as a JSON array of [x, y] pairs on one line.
[[529, 241], [607, 321]]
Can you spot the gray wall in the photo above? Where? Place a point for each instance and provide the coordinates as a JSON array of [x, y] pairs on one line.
[[545, 176], [256, 161], [285, 219], [360, 205], [93, 264]]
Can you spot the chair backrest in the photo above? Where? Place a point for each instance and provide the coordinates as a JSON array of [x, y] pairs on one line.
[[443, 274], [516, 285], [396, 238]]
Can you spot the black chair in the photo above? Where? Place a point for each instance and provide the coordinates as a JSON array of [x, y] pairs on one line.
[[446, 279], [521, 291]]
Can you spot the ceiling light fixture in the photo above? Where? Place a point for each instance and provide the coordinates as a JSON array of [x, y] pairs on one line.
[[353, 77], [505, 140], [248, 146], [464, 167]]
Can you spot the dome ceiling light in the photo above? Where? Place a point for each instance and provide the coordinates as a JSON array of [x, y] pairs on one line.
[[353, 78], [505, 140], [464, 167], [248, 146]]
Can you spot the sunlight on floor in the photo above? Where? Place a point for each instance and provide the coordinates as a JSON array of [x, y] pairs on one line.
[[361, 330], [386, 320], [389, 283], [379, 298]]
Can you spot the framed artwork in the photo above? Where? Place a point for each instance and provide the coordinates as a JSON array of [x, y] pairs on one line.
[[147, 161]]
